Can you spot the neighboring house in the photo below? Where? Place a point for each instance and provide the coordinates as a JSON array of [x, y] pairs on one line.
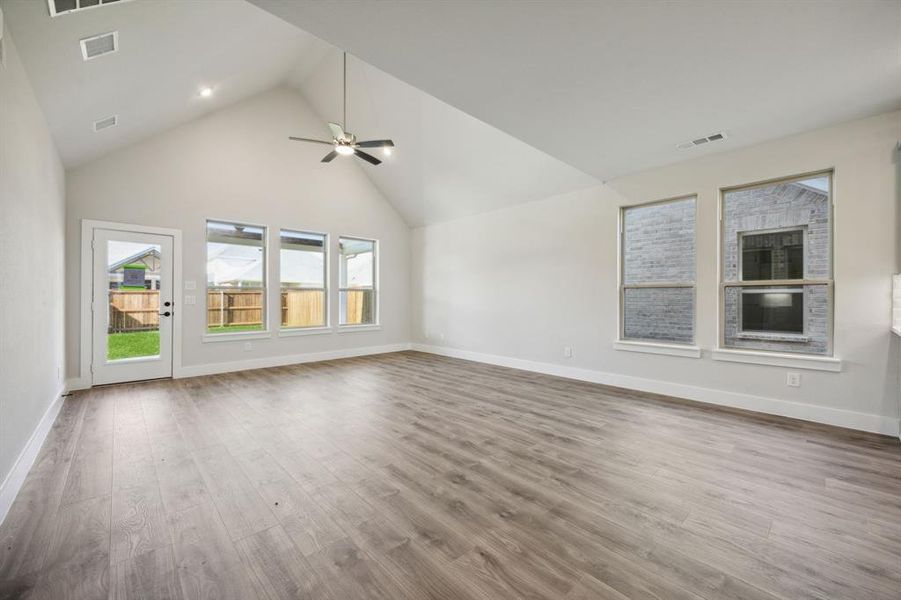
[[126, 273], [781, 233], [232, 265]]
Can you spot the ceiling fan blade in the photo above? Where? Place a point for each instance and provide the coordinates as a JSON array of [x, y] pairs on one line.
[[300, 139], [376, 144], [337, 131], [368, 157], [329, 157]]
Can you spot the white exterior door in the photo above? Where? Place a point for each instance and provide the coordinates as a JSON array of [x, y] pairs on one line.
[[132, 306]]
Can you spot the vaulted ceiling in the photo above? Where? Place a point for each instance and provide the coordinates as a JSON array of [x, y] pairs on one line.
[[491, 103], [167, 50], [446, 164], [612, 87]]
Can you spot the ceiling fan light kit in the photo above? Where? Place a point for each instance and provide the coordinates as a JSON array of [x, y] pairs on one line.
[[344, 142]]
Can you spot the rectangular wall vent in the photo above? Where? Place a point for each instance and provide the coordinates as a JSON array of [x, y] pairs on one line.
[[106, 123], [713, 137], [63, 7], [99, 45]]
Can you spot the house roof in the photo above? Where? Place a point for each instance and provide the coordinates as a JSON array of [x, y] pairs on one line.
[[133, 259]]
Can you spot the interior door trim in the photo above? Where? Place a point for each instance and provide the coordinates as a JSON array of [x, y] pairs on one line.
[[86, 293]]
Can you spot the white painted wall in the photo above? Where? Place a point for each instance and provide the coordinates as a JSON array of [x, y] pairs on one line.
[[237, 164], [31, 268], [523, 282]]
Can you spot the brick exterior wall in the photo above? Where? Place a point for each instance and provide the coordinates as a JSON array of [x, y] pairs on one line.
[[779, 206], [659, 314], [659, 247]]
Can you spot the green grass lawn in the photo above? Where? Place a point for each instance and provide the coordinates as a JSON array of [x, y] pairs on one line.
[[147, 343], [132, 344]]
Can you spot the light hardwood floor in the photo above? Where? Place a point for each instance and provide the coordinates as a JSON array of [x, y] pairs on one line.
[[411, 476]]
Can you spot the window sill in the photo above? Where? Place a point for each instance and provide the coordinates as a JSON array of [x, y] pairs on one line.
[[658, 348], [800, 361], [773, 337], [304, 331], [355, 328], [236, 336]]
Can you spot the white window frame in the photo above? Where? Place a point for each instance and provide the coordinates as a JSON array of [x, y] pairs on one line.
[[51, 6], [822, 362], [265, 332], [376, 322], [686, 349], [309, 329]]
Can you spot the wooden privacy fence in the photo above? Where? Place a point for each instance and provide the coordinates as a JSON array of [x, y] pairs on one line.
[[302, 308], [227, 307], [359, 307], [134, 310], [138, 310]]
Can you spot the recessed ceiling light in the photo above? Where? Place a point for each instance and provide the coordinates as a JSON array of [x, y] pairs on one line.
[[206, 92]]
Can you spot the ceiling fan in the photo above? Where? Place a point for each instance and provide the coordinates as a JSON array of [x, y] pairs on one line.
[[344, 142]]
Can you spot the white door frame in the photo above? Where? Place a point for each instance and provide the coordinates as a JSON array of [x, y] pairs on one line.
[[86, 293]]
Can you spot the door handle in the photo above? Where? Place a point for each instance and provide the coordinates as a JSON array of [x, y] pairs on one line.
[[166, 314]]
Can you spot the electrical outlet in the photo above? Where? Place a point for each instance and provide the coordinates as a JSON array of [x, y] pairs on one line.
[[190, 300], [793, 379], [568, 351], [190, 285], [248, 346]]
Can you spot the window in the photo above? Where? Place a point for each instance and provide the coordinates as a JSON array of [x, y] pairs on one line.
[[777, 267], [236, 277], [357, 280], [657, 291], [302, 268], [61, 7], [772, 255], [777, 310]]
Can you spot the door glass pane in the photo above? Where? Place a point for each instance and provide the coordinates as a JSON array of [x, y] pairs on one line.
[[133, 329]]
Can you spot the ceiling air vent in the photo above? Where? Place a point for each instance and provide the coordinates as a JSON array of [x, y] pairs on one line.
[[62, 7], [713, 137], [99, 45], [106, 123]]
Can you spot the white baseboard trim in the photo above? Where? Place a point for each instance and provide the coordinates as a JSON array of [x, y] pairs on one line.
[[10, 487], [773, 406], [281, 361]]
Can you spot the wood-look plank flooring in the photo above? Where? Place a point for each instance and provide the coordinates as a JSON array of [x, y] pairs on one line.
[[410, 476]]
